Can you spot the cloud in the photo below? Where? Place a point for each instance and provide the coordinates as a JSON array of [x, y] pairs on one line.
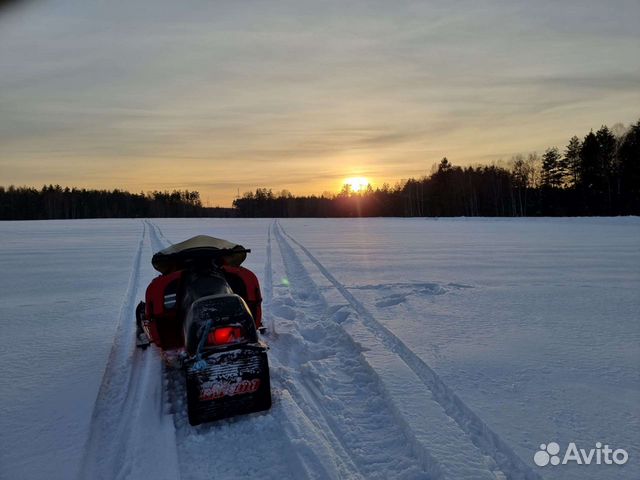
[[301, 94]]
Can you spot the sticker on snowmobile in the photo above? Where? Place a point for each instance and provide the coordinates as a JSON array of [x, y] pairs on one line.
[[219, 390], [228, 383]]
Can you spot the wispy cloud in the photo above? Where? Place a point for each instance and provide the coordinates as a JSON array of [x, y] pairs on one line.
[[226, 95]]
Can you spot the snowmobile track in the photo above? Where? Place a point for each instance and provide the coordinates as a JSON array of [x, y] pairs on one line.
[[113, 381], [332, 415], [304, 416], [154, 234], [340, 390], [268, 289], [481, 435], [112, 447], [285, 425]]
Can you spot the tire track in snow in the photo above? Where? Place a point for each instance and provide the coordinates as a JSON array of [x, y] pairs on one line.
[[340, 391], [123, 404], [478, 431]]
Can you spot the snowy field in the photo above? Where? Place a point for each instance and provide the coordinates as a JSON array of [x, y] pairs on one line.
[[400, 348]]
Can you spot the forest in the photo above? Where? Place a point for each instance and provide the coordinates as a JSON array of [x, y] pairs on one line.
[[55, 202], [596, 175]]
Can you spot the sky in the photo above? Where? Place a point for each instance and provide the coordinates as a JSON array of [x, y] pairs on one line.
[[227, 96]]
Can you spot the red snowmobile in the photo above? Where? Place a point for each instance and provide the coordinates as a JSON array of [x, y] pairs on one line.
[[205, 310]]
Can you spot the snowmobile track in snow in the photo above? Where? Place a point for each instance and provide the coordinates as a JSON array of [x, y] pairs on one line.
[[338, 388], [486, 440], [113, 382], [333, 415], [113, 447], [283, 431]]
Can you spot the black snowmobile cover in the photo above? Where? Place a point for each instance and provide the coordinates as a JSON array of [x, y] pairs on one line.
[[173, 258]]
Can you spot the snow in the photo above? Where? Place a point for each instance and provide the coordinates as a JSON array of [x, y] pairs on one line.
[[399, 348], [62, 288]]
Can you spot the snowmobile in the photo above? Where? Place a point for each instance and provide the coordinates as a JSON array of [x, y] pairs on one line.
[[204, 309]]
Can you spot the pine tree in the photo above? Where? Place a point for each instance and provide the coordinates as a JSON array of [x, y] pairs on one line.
[[590, 172], [607, 146], [553, 172], [572, 161], [628, 160]]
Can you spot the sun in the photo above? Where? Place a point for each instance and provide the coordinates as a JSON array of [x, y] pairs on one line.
[[357, 184]]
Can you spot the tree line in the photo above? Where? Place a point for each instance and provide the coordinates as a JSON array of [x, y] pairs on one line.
[[56, 202], [598, 175]]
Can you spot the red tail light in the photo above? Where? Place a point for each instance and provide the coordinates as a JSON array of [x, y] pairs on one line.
[[225, 335]]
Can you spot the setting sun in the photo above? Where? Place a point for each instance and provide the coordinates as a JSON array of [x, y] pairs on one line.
[[357, 183]]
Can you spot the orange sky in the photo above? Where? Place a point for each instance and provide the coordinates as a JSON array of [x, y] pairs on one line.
[[228, 96]]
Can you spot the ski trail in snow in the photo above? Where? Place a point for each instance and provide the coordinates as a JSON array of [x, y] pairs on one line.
[[478, 432], [120, 444], [330, 380]]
